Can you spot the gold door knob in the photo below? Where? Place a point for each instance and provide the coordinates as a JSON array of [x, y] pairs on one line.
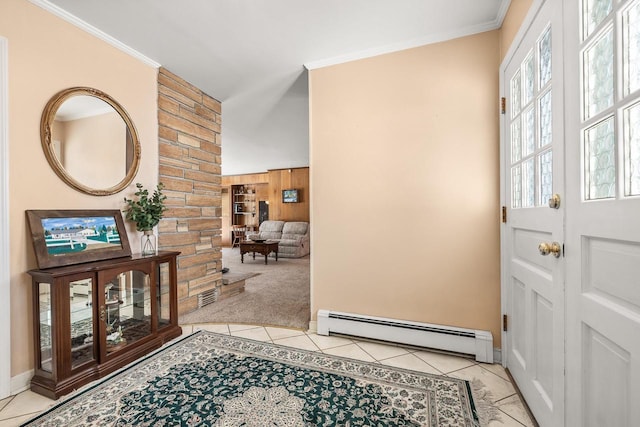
[[550, 248], [554, 202]]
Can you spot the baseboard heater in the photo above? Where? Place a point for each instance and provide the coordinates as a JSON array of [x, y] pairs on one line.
[[449, 338]]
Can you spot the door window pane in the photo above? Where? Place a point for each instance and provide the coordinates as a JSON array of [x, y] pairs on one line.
[[528, 80], [594, 13], [631, 48], [544, 53], [632, 150], [515, 94], [528, 184], [528, 126], [516, 141], [530, 130], [545, 185], [516, 185], [600, 170], [545, 119], [598, 78], [611, 88]]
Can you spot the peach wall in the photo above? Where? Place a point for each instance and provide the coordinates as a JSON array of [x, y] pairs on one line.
[[46, 55], [405, 185], [511, 24]]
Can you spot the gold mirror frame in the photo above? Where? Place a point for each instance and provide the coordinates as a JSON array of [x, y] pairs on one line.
[[46, 122]]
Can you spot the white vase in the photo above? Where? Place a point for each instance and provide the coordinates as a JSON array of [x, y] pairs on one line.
[[148, 244]]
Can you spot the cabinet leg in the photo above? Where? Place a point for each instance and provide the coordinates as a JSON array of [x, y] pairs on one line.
[[242, 257]]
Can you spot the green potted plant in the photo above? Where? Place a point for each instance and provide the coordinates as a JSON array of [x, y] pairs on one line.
[[146, 211]]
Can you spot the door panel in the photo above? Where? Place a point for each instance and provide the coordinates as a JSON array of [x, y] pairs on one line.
[[525, 250], [611, 271], [533, 156], [543, 314], [589, 109], [518, 345], [603, 211], [610, 408]]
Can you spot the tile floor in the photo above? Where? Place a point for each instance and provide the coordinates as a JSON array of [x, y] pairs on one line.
[[19, 408]]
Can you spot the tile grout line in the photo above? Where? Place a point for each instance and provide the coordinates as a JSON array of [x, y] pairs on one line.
[[331, 348], [436, 368], [328, 348], [506, 397], [30, 415], [9, 400], [300, 348], [514, 419], [368, 354], [488, 370], [269, 335]]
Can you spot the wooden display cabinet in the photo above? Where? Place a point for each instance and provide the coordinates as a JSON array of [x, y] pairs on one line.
[[93, 318], [244, 205]]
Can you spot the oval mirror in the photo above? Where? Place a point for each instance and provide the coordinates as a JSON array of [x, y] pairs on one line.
[[90, 141]]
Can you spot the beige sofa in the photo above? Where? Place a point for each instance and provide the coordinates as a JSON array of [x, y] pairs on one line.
[[292, 236]]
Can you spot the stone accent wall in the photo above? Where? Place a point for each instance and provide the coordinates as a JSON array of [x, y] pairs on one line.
[[189, 131]]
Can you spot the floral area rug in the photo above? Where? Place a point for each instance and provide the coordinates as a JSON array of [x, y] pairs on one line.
[[208, 379]]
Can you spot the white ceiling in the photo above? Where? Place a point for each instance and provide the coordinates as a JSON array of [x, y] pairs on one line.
[[253, 55]]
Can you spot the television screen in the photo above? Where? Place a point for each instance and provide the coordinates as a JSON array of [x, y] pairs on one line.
[[289, 196]]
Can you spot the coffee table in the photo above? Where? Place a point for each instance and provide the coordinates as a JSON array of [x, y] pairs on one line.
[[264, 248]]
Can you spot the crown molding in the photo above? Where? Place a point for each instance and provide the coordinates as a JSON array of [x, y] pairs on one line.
[[502, 12], [409, 44], [72, 19]]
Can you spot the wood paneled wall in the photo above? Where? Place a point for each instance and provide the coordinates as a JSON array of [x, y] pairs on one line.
[[260, 180], [249, 178], [284, 179], [269, 186]]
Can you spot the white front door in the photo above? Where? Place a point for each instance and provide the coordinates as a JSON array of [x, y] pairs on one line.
[[533, 236], [602, 83]]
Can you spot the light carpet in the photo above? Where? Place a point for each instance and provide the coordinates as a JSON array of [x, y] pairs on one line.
[[277, 296], [208, 379]]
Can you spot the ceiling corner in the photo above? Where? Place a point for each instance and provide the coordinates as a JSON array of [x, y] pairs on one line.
[[74, 20], [502, 12]]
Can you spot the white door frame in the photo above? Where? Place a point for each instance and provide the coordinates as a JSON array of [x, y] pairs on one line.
[[5, 275], [504, 279]]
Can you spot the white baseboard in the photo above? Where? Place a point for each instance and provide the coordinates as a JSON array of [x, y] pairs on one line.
[[313, 326], [429, 335], [21, 382], [497, 356]]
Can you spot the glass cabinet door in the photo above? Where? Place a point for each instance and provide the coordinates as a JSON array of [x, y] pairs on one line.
[[126, 311], [163, 295], [44, 303], [81, 316]]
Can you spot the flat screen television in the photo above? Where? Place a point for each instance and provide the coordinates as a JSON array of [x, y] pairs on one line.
[[290, 196]]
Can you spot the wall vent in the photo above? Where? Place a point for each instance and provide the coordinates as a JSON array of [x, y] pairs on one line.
[[207, 297], [460, 340]]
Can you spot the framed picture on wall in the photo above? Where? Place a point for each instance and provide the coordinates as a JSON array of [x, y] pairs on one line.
[[65, 237], [290, 196]]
